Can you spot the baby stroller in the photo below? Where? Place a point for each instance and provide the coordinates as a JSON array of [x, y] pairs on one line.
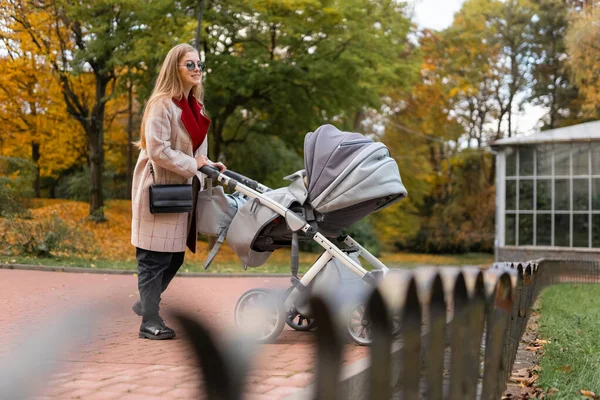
[[347, 176]]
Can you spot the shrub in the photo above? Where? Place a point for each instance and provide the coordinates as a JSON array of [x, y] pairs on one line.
[[361, 231], [49, 237], [78, 185], [17, 176]]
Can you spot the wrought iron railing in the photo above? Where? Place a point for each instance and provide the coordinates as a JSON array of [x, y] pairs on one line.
[[458, 338], [437, 333]]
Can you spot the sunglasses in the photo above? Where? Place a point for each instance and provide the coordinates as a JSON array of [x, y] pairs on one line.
[[190, 65]]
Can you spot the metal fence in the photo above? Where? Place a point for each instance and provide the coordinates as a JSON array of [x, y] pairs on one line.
[[458, 335], [437, 333]]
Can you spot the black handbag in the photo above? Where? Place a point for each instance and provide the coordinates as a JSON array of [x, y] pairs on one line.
[[170, 198]]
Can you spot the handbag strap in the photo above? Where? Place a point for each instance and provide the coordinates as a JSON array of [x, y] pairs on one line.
[[152, 172]]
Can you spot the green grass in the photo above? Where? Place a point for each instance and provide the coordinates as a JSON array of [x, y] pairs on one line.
[[274, 265], [570, 320], [216, 267]]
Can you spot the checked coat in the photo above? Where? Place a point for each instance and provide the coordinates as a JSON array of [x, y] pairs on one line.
[[169, 147]]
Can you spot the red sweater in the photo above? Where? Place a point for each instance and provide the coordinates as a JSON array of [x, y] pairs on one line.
[[194, 121]]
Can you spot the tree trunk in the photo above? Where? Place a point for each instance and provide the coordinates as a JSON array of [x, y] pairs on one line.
[[216, 139], [96, 143], [35, 156], [199, 27], [129, 138], [358, 118]]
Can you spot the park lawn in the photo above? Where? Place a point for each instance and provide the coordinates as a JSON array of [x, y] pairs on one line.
[[570, 321], [114, 251]]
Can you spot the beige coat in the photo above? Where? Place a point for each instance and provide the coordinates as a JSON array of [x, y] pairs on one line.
[[170, 148]]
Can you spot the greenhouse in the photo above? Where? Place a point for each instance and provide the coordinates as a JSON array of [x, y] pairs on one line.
[[548, 194]]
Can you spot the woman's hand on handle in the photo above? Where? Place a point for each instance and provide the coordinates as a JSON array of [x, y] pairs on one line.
[[202, 160], [219, 165]]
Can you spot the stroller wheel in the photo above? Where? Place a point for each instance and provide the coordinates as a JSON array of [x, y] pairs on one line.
[[296, 320], [358, 325], [300, 323], [260, 312]]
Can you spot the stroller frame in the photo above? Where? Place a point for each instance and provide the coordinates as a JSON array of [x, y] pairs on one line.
[[296, 223]]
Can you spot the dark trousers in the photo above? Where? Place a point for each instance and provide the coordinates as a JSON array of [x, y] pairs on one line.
[[155, 271]]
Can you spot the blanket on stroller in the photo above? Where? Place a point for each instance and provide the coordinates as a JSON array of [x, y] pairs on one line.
[[347, 176]]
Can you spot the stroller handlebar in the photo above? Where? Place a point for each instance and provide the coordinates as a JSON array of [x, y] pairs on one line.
[[214, 173]]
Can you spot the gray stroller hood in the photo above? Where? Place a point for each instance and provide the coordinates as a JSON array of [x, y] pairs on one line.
[[349, 176]]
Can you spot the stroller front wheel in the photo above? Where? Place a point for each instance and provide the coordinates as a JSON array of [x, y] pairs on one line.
[[260, 312], [297, 320]]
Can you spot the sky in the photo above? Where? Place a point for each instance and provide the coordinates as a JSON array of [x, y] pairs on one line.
[[438, 14]]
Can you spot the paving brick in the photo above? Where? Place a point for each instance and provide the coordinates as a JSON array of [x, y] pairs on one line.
[[259, 388], [183, 393], [120, 388], [115, 363], [82, 384], [283, 391], [103, 396], [77, 394], [291, 381]]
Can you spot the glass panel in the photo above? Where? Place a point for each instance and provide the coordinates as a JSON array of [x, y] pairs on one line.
[[544, 160], [561, 230], [581, 160], [544, 230], [526, 194], [526, 161], [509, 228], [544, 194], [596, 194], [581, 230], [511, 195], [562, 194], [511, 164], [595, 158], [525, 229], [596, 230], [581, 194], [561, 159]]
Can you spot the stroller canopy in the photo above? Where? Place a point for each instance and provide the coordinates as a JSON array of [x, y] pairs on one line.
[[349, 171]]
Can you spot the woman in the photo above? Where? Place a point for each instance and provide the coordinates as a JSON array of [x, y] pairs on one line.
[[173, 147]]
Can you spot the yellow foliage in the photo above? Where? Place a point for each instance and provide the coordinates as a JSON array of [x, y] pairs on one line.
[[583, 43], [113, 238]]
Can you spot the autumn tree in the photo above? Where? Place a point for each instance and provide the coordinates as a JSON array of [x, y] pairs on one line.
[[553, 86], [419, 129], [34, 121], [84, 37], [583, 44]]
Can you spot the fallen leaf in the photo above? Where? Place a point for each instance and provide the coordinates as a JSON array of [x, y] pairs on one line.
[[564, 368], [532, 348], [588, 393], [552, 391], [532, 380], [541, 341], [518, 379], [522, 372]]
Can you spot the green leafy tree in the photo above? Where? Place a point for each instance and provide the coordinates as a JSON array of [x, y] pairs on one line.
[[553, 86], [85, 38], [285, 67]]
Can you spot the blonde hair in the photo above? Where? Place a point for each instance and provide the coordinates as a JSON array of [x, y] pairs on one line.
[[169, 85]]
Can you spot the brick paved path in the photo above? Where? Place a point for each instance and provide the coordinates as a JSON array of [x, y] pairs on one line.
[[118, 365]]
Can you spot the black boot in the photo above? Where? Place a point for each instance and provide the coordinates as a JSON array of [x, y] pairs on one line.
[[155, 329], [137, 308]]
